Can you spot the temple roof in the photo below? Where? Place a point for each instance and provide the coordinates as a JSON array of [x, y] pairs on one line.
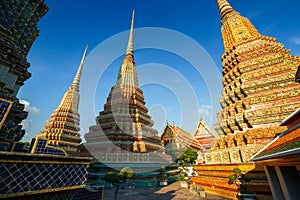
[[180, 135], [204, 135], [297, 79], [287, 143], [203, 130]]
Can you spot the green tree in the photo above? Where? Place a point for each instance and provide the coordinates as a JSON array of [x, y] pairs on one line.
[[188, 157], [239, 179], [117, 179]]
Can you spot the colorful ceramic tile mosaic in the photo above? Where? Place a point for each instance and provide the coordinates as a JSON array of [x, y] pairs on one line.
[[259, 87]]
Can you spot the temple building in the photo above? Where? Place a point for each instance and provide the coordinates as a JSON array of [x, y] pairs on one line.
[[259, 89], [204, 135], [297, 79], [123, 133], [281, 160], [18, 31], [172, 134], [62, 129], [176, 141], [259, 92]]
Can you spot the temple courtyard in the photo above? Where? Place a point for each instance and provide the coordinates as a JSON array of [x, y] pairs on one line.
[[172, 191]]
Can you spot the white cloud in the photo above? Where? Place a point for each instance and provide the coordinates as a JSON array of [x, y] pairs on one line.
[[205, 106], [28, 124], [32, 110], [25, 123], [205, 110], [295, 40]]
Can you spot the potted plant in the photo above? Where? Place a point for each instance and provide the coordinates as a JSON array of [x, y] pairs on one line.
[[163, 179], [239, 179], [183, 178], [186, 160], [117, 179]]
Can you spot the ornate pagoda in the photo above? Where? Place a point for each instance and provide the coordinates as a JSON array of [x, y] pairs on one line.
[[123, 135], [18, 31], [125, 120], [259, 89], [259, 92], [62, 129]]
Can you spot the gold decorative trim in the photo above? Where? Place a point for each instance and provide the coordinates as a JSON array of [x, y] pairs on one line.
[[47, 145], [7, 111], [42, 191], [34, 145], [44, 162]]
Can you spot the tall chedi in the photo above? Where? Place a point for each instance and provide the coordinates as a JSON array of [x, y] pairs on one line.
[[125, 120], [18, 31], [259, 89], [62, 128]]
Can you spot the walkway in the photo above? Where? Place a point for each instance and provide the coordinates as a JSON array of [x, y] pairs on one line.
[[172, 191]]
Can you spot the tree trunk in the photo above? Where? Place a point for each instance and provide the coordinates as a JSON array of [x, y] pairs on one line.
[[116, 192]]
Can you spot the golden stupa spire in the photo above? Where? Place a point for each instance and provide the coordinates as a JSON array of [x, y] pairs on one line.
[[224, 8], [76, 80], [72, 95], [128, 73], [130, 41], [236, 29], [62, 128]]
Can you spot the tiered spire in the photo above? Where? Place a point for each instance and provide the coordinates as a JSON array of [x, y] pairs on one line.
[[125, 120], [224, 8], [128, 73], [236, 29], [62, 128], [259, 92], [76, 80], [258, 79], [130, 41]]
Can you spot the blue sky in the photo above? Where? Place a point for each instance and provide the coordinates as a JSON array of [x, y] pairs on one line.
[[70, 25]]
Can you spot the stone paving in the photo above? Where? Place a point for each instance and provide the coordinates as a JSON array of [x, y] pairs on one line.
[[172, 191]]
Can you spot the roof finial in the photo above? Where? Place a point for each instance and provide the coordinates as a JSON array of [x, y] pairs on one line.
[[130, 41], [76, 80], [128, 72], [224, 8]]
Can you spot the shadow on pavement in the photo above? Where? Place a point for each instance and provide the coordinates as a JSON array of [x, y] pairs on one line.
[[172, 191]]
